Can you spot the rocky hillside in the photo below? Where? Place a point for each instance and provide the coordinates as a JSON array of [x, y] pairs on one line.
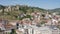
[[12, 13]]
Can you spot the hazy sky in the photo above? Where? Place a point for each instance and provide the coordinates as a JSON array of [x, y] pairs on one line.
[[46, 4]]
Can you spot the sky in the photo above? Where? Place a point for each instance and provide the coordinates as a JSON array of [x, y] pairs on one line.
[[46, 4]]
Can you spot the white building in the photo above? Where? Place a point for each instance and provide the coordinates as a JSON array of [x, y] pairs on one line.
[[31, 29], [42, 30]]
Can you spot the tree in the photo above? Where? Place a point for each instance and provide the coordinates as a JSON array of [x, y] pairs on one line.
[[42, 22], [13, 31], [2, 7], [27, 16]]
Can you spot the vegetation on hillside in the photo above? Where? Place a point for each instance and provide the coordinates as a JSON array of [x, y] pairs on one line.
[[22, 9]]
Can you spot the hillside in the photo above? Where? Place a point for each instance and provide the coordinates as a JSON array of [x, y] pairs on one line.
[[13, 14], [56, 10]]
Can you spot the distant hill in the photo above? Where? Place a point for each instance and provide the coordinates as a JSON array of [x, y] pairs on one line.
[[56, 10]]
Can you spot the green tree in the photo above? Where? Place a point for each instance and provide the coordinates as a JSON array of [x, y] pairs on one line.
[[2, 7], [13, 31]]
